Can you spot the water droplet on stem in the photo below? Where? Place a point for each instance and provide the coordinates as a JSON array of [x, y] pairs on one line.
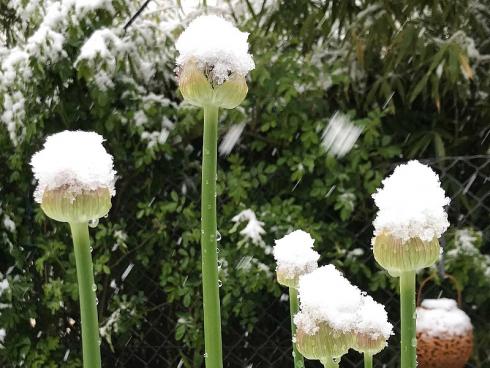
[[93, 223]]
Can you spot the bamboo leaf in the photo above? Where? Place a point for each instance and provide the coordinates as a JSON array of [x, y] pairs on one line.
[[465, 66], [439, 145], [419, 87]]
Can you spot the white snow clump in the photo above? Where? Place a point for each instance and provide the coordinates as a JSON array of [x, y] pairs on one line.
[[294, 254], [76, 160], [326, 296], [411, 204], [442, 318], [216, 46]]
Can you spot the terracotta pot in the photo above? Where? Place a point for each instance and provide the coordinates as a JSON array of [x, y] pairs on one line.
[[444, 331], [450, 352]]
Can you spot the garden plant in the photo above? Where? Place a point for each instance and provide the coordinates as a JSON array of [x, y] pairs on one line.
[[295, 257], [75, 184], [197, 266], [213, 62], [409, 223]]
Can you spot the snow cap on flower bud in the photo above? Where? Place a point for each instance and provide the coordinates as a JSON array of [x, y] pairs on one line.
[[75, 177], [328, 314], [213, 62], [295, 257], [372, 329], [410, 219]]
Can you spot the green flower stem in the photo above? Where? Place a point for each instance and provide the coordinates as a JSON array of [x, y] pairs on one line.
[[330, 363], [212, 316], [368, 360], [293, 309], [86, 290], [407, 302]]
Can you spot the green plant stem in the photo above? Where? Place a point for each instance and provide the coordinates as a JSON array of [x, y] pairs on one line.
[[368, 360], [330, 363], [86, 290], [407, 304], [293, 309], [212, 316]]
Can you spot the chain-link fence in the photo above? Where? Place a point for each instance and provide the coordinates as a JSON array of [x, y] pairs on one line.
[[465, 179]]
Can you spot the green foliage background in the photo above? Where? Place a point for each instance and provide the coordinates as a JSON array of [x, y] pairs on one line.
[[405, 72]]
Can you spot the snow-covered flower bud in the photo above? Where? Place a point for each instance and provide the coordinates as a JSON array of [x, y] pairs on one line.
[[213, 62], [410, 219], [295, 257], [372, 329], [329, 304], [75, 177]]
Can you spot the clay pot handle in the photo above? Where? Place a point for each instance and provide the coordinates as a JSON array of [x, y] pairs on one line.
[[446, 276]]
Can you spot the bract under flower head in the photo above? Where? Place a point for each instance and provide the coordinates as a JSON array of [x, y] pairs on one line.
[[411, 204], [295, 257], [198, 91], [397, 256], [75, 176], [325, 343]]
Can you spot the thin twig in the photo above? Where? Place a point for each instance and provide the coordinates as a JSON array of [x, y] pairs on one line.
[[136, 15]]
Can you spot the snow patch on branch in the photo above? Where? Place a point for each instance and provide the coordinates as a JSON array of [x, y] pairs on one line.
[[254, 229], [83, 7], [46, 45], [9, 224], [103, 43], [54, 21]]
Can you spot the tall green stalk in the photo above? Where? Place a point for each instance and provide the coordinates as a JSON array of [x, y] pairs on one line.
[[368, 360], [293, 309], [407, 304], [86, 290], [212, 316]]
